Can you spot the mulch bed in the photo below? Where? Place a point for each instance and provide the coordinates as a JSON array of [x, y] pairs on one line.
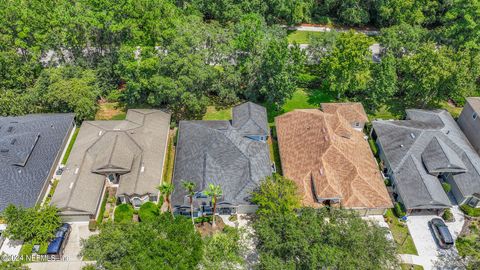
[[207, 229]]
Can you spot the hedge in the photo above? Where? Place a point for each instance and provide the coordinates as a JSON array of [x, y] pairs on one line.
[[399, 210], [123, 213], [148, 211], [447, 215], [467, 209]]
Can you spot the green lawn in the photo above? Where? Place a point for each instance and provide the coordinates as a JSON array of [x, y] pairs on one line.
[[384, 113], [405, 266], [452, 109], [400, 233], [169, 160], [217, 114], [70, 145], [302, 37]]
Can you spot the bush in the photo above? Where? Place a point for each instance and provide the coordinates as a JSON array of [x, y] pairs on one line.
[[26, 249], [123, 213], [447, 215], [399, 210], [468, 210], [43, 249], [447, 187], [203, 219], [92, 225], [307, 80], [148, 211]]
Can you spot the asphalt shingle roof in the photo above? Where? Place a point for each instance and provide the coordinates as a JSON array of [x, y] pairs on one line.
[[219, 153], [426, 143], [29, 146]]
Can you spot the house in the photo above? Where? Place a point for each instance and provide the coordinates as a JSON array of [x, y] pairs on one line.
[[469, 121], [353, 112], [125, 155], [330, 160], [31, 147], [424, 151], [233, 154]]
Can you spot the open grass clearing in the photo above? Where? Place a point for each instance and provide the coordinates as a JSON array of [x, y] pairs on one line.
[[401, 235], [302, 37], [110, 111]]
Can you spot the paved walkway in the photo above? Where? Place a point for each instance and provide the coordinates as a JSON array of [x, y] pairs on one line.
[[58, 265]]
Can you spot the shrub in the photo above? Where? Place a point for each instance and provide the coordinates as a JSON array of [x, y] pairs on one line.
[[307, 80], [92, 225], [148, 211], [123, 213], [468, 210], [102, 208], [43, 249], [447, 187], [399, 209], [26, 249], [203, 219], [233, 218], [447, 215]]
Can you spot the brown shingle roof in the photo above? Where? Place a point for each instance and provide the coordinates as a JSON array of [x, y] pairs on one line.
[[351, 111], [328, 159]]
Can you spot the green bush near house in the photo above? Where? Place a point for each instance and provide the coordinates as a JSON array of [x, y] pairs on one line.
[[70, 146], [447, 215], [43, 249], [399, 210], [203, 219], [446, 187], [148, 211], [26, 249], [468, 210], [92, 225], [123, 213], [102, 208], [373, 146]]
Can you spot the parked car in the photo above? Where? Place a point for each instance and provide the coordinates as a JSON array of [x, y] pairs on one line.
[[442, 234], [57, 245]]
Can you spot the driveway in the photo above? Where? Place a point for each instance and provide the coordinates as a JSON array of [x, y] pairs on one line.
[[430, 256]]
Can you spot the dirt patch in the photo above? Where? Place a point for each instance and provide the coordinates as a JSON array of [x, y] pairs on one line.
[[109, 111], [207, 229]]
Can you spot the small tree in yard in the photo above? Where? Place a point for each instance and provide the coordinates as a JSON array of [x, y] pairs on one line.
[[214, 191], [166, 189], [36, 224], [190, 188]]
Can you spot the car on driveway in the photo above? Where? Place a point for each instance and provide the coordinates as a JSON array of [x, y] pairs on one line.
[[57, 245], [442, 235]]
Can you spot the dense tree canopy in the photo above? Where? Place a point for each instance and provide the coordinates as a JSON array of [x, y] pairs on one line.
[[163, 242]]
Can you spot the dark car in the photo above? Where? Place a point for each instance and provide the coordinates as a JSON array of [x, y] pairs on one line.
[[56, 246], [441, 232]]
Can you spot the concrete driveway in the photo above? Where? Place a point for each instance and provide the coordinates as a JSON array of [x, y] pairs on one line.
[[430, 256]]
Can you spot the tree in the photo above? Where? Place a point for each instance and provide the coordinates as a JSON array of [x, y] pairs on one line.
[[347, 66], [402, 39], [462, 24], [190, 187], [383, 86], [37, 224], [322, 238], [152, 244], [166, 189], [276, 194], [214, 191], [224, 250]]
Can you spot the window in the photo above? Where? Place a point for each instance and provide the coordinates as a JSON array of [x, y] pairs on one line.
[[474, 116], [357, 124]]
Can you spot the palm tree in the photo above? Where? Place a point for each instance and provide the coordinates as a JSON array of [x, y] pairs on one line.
[[214, 191], [166, 189], [190, 188]]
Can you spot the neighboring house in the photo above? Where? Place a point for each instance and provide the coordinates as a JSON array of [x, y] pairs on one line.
[[423, 151], [30, 149], [353, 112], [331, 162], [127, 155], [469, 121], [232, 154]]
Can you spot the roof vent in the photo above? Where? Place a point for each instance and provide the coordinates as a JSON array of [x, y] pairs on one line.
[[401, 145], [321, 171], [13, 141], [100, 133], [76, 170], [10, 129], [412, 135], [4, 151]]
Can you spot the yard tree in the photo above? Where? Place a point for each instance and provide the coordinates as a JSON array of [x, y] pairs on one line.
[[189, 187], [322, 238], [384, 85], [347, 66], [276, 194], [37, 224], [214, 192], [402, 39], [166, 189], [152, 244], [224, 250], [462, 24]]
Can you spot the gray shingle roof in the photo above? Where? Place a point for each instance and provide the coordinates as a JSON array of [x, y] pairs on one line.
[[209, 153], [432, 141], [133, 148], [250, 119], [29, 146]]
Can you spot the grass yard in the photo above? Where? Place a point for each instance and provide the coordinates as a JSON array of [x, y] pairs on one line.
[[217, 114], [405, 266], [110, 111], [384, 113], [70, 146], [451, 108], [170, 157], [302, 37], [402, 236]]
